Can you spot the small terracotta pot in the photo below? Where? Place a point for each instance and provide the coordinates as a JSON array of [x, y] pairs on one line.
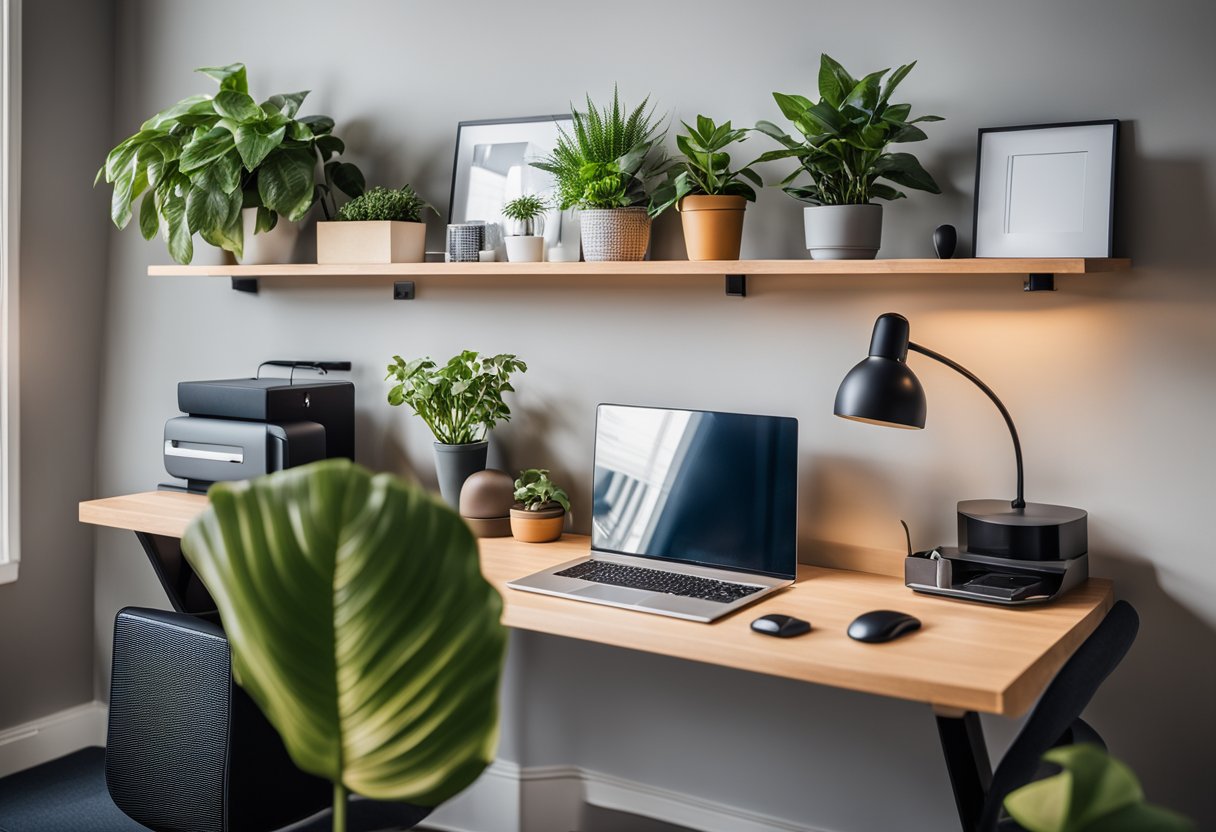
[[542, 526], [713, 226]]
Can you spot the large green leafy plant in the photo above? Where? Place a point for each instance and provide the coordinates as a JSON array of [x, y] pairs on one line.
[[608, 158], [705, 166], [360, 624], [198, 163], [845, 139], [1094, 793], [460, 401]]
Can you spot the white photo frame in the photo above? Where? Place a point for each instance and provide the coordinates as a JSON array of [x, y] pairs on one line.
[[493, 167], [1046, 190]]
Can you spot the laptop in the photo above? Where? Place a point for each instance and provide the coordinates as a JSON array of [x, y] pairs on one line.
[[694, 513]]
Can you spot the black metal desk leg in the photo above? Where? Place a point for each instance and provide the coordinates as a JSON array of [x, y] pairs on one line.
[[966, 761]]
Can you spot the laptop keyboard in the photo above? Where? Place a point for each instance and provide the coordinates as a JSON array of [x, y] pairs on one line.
[[657, 580]]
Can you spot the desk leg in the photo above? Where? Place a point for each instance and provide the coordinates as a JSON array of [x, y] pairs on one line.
[[186, 592], [966, 761]]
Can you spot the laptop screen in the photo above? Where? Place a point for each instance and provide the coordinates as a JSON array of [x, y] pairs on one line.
[[713, 489]]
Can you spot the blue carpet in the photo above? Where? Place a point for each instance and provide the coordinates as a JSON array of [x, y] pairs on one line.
[[64, 795]]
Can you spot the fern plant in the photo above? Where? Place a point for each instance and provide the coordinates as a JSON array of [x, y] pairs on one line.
[[526, 216], [609, 157], [400, 205]]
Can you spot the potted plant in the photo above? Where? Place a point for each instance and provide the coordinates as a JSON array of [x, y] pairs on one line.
[[539, 513], [844, 151], [460, 402], [525, 238], [710, 197], [382, 225], [604, 166], [226, 168]]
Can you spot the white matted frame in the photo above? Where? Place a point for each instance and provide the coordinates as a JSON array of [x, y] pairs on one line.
[[10, 194], [1046, 190]]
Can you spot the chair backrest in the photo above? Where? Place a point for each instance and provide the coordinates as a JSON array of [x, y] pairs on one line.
[[1061, 705]]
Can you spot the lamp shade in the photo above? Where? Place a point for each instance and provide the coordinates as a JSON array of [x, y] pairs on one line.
[[882, 389]]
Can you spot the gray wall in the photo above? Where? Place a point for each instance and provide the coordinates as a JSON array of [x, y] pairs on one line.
[[46, 634], [1110, 379]]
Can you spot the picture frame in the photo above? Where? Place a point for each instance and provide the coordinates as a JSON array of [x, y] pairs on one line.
[[492, 167], [1046, 190]]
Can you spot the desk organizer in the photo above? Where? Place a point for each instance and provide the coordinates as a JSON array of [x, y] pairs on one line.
[[1006, 581]]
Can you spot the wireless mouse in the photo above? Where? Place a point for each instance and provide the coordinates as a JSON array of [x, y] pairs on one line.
[[781, 626], [882, 625]]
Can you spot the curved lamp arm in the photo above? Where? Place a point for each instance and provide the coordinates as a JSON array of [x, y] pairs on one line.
[[1020, 502]]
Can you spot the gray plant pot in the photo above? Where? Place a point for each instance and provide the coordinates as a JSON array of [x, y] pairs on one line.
[[456, 463], [843, 232]]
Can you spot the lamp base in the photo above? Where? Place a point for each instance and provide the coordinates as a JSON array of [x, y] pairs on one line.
[[1037, 532]]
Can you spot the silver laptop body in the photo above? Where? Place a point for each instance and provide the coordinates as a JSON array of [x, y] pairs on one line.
[[706, 500]]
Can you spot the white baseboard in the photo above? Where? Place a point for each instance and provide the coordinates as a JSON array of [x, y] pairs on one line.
[[509, 798], [40, 741]]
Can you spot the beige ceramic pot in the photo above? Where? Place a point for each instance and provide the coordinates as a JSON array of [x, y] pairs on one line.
[[542, 526], [713, 226]]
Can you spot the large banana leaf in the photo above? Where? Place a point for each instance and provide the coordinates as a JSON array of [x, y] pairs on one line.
[[361, 625]]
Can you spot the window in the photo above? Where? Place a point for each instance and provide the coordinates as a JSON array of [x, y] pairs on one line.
[[10, 131]]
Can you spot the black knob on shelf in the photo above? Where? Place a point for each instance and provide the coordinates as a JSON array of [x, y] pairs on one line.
[[945, 238]]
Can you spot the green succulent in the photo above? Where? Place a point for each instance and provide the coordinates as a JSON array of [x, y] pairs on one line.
[[536, 492], [385, 204], [198, 163], [609, 158], [845, 136]]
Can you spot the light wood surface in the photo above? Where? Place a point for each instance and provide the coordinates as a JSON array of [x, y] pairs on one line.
[[666, 268], [966, 656]]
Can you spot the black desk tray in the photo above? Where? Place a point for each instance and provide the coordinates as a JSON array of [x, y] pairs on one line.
[[948, 573]]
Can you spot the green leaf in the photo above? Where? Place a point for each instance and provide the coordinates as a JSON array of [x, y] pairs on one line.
[[320, 125], [792, 106], [231, 77], [330, 146], [208, 210], [256, 141], [359, 623], [148, 221], [230, 238], [194, 105], [203, 151], [266, 220], [893, 82], [346, 177], [904, 169], [171, 203], [237, 106], [287, 103], [285, 182], [834, 82]]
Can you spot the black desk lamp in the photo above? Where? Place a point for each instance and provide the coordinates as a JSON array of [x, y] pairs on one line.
[[883, 390]]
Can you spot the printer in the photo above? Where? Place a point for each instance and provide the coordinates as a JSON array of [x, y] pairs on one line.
[[245, 427]]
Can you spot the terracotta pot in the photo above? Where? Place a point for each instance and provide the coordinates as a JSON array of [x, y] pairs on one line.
[[713, 226], [542, 526]]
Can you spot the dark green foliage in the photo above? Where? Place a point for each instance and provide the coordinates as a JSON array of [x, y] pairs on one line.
[[845, 139], [526, 207], [608, 158], [201, 161], [705, 168], [460, 401], [536, 492], [401, 205]]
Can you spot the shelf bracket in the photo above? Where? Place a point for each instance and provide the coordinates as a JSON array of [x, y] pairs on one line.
[[245, 284], [403, 290], [1039, 283], [736, 285]]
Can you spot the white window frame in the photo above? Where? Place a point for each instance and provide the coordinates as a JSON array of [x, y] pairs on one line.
[[10, 201]]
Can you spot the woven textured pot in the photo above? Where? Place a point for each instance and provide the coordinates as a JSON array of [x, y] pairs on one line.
[[614, 233], [713, 226]]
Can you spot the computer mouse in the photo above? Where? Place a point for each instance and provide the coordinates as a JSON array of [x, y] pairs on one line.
[[781, 626], [882, 625]]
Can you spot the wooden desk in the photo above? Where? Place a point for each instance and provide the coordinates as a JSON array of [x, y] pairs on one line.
[[967, 658]]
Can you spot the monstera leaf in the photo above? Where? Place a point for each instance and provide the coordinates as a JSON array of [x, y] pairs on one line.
[[1094, 793], [361, 625]]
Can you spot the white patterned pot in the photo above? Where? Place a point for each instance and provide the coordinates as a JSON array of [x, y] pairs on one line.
[[614, 233]]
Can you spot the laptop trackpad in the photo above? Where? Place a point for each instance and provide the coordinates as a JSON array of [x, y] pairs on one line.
[[615, 594]]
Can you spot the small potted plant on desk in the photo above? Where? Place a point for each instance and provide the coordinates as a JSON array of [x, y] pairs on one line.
[[228, 168], [710, 197], [844, 151], [381, 226], [525, 229], [604, 167], [460, 402], [539, 513]]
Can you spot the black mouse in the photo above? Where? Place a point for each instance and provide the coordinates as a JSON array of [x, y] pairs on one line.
[[882, 625], [781, 626]]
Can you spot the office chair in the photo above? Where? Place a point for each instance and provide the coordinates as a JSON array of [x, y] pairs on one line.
[[1056, 719], [189, 751]]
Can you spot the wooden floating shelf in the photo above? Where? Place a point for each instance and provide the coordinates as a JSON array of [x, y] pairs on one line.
[[674, 268]]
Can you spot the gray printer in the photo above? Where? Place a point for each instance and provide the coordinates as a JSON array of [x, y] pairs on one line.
[[245, 427]]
